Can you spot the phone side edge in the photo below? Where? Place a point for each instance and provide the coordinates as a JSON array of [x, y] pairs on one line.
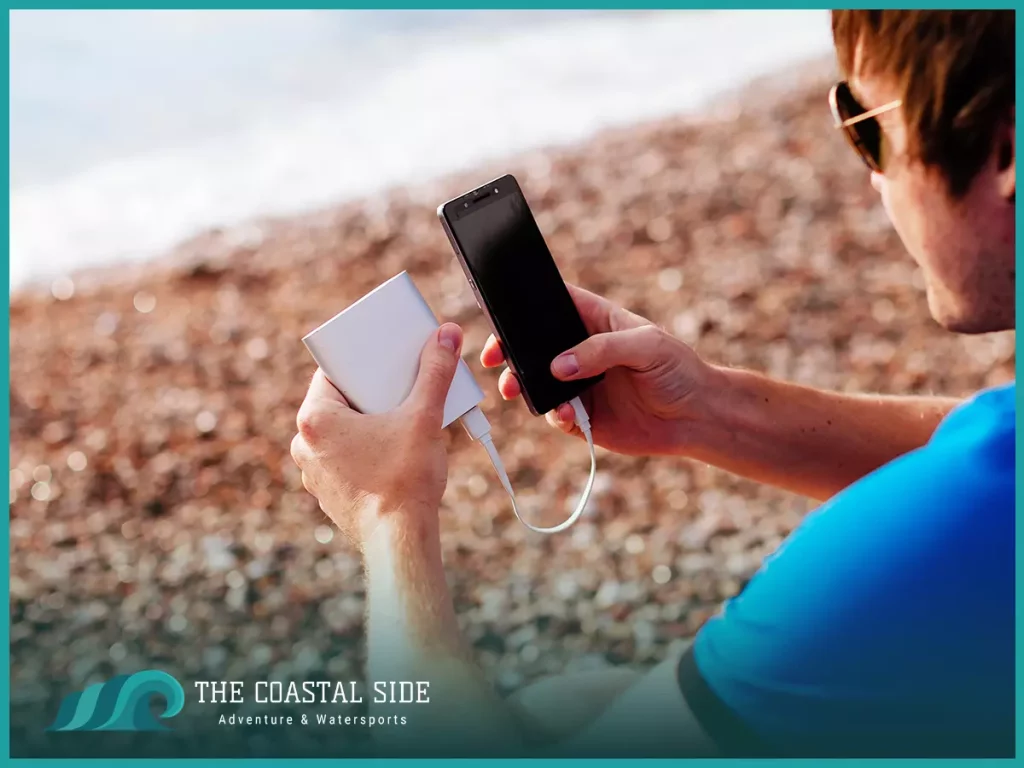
[[481, 300]]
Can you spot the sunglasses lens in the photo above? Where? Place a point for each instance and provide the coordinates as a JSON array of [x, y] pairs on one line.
[[864, 135]]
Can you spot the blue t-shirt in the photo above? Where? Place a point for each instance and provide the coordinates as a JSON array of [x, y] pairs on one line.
[[884, 625]]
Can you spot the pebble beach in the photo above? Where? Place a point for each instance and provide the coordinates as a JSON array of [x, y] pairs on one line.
[[157, 519]]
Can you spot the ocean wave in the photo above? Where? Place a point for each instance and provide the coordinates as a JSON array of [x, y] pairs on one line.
[[434, 109]]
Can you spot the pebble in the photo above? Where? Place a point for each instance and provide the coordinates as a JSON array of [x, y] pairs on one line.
[[529, 653], [261, 655], [257, 348], [509, 679], [566, 587], [144, 302], [77, 461], [41, 491], [63, 288], [105, 324], [634, 544], [661, 574], [670, 279], [607, 595], [217, 551], [214, 657], [206, 422], [477, 486]]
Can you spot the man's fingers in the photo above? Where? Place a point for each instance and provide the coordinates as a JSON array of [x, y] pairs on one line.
[[492, 354], [565, 413], [636, 348], [592, 308], [301, 452], [558, 420], [323, 402], [438, 362], [595, 310], [508, 385], [601, 315], [321, 388]]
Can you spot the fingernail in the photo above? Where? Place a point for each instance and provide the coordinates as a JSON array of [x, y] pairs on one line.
[[449, 336], [565, 365]]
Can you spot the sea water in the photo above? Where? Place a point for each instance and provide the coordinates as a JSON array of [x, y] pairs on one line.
[[132, 130]]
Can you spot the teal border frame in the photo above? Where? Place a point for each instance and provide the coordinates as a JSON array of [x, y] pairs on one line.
[[441, 5]]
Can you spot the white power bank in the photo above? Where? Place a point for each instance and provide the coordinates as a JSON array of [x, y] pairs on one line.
[[371, 351]]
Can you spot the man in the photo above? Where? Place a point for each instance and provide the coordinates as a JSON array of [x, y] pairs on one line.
[[884, 624]]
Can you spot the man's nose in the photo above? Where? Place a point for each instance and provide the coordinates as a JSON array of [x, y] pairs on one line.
[[877, 181]]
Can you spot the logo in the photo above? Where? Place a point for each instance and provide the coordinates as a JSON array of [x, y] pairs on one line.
[[121, 704]]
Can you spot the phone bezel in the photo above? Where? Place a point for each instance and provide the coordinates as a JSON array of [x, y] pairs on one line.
[[482, 196]]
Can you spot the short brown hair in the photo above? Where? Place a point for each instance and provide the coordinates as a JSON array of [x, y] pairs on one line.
[[955, 73]]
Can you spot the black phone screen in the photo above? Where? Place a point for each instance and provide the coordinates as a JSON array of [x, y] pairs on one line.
[[518, 281]]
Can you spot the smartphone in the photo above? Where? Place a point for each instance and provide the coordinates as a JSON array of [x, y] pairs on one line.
[[518, 286]]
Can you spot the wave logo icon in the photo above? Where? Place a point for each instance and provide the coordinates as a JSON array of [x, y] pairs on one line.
[[121, 704]]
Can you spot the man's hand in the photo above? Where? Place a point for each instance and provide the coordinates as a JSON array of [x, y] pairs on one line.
[[653, 385], [380, 478], [659, 398], [362, 468]]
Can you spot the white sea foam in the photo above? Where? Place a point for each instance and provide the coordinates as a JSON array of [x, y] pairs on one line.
[[436, 107]]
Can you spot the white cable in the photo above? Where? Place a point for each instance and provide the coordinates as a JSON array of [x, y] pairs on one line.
[[479, 429]]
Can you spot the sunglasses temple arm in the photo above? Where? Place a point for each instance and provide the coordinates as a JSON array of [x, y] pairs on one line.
[[872, 113]]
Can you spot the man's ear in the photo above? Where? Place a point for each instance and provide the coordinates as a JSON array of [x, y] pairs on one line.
[[1006, 170]]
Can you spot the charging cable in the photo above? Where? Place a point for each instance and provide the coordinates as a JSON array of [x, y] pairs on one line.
[[479, 429]]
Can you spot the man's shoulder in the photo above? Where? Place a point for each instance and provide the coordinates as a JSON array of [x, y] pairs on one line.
[[849, 620], [969, 460], [991, 412], [987, 418]]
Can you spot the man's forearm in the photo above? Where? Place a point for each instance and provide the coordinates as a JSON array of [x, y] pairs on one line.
[[413, 635], [806, 440]]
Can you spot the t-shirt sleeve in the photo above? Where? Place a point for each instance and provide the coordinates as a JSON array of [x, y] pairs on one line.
[[884, 625]]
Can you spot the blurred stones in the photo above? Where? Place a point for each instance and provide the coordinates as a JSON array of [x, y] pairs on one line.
[[157, 517], [661, 574], [257, 348], [63, 288], [217, 552], [144, 302], [670, 279], [634, 544], [477, 486], [76, 461], [41, 491], [205, 422]]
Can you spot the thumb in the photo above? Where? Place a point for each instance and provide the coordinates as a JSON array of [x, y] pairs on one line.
[[636, 348], [438, 361]]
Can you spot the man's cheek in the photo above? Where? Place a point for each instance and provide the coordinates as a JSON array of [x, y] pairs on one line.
[[877, 181], [894, 203], [882, 188]]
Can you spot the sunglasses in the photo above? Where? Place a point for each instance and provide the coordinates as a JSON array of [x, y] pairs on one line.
[[860, 125]]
